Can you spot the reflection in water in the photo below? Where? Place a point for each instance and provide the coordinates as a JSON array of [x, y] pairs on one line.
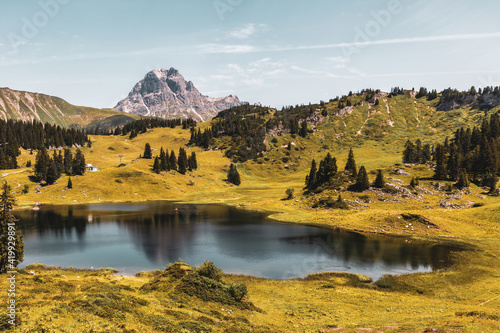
[[133, 237]]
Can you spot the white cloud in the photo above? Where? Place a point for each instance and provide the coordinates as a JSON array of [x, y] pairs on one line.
[[221, 77], [225, 48], [247, 30], [425, 39]]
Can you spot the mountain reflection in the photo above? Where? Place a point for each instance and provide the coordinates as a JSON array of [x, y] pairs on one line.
[[236, 240]]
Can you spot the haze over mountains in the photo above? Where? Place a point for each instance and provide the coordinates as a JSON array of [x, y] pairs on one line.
[[166, 94]]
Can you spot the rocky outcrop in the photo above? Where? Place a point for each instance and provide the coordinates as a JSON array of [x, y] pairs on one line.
[[164, 93]]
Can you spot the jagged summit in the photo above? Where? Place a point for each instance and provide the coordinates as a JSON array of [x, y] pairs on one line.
[[165, 93]]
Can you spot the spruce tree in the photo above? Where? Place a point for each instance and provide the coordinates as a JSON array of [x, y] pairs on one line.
[[182, 161], [463, 180], [52, 174], [172, 161], [379, 180], [163, 160], [233, 175], [9, 232], [193, 164], [311, 178], [350, 165], [70, 183], [78, 164], [413, 183], [439, 155], [303, 129], [41, 165], [362, 182], [68, 160], [156, 165], [147, 152]]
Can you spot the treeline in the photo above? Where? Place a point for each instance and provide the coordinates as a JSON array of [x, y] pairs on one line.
[[34, 135], [473, 153], [243, 124], [49, 169], [140, 126]]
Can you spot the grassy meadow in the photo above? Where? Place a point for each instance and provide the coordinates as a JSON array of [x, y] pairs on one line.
[[465, 298]]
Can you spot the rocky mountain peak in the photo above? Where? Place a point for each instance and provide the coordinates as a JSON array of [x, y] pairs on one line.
[[165, 93]]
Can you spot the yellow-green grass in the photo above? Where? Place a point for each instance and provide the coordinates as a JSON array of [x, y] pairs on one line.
[[465, 297]]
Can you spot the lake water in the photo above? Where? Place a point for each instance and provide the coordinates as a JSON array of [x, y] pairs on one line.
[[137, 237]]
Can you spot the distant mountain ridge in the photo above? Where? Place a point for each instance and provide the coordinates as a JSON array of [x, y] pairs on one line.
[[166, 94], [30, 106]]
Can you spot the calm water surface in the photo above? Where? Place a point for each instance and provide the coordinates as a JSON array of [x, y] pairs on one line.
[[136, 237]]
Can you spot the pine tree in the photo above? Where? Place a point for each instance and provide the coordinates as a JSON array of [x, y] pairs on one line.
[[163, 160], [156, 165], [491, 182], [311, 178], [413, 183], [193, 164], [68, 161], [182, 161], [42, 161], [350, 166], [172, 161], [362, 182], [233, 176], [147, 152], [439, 155], [303, 129], [463, 180], [78, 164], [9, 232], [52, 174], [379, 180], [70, 183]]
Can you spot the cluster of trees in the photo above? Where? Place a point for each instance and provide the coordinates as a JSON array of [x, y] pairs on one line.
[[325, 175], [166, 162], [49, 169], [416, 152], [422, 92], [295, 117], [33, 135], [246, 129], [473, 153]]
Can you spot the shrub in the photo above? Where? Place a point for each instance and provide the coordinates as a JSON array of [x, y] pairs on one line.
[[289, 193], [238, 291], [209, 270]]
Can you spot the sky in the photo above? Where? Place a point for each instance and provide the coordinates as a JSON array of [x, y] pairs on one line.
[[92, 52]]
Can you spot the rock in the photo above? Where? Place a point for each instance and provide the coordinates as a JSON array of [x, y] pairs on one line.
[[164, 93]]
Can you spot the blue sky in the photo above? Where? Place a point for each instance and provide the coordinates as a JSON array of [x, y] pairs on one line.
[[92, 52]]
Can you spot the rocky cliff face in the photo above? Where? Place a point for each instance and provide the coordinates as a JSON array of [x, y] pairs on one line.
[[164, 93]]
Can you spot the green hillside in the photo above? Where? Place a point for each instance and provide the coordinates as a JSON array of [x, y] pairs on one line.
[[27, 106]]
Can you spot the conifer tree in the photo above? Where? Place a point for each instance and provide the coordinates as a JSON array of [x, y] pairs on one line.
[[362, 182], [303, 129], [439, 155], [463, 180], [68, 161], [182, 161], [9, 232], [413, 183], [173, 161], [42, 161], [379, 180], [70, 183], [350, 165], [156, 165], [147, 152], [193, 164], [311, 178], [78, 164], [52, 174], [163, 160], [233, 175]]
